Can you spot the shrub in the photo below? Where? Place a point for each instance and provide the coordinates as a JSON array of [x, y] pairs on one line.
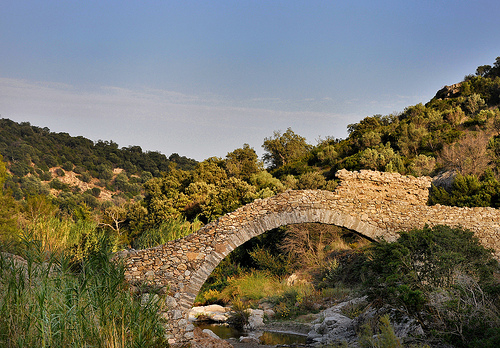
[[385, 338], [441, 270], [68, 166], [58, 185]]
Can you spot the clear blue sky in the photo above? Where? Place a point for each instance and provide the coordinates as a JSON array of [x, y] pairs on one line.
[[201, 78]]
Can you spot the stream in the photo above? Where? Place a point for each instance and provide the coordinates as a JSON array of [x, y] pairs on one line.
[[267, 338]]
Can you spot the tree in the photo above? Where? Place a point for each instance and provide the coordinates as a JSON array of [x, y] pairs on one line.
[[468, 156], [243, 163], [483, 70], [282, 149]]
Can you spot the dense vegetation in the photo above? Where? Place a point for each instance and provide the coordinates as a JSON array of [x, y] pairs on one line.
[[67, 194]]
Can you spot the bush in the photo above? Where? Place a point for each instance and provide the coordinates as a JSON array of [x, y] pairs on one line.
[[441, 274], [58, 185], [68, 166]]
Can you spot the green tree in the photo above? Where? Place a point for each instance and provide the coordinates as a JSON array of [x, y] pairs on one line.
[[282, 149], [468, 191], [243, 163], [227, 197]]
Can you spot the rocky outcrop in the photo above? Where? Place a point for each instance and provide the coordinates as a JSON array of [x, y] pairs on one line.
[[447, 92], [334, 326]]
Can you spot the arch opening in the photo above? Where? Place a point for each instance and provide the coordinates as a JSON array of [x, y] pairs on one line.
[[278, 253]]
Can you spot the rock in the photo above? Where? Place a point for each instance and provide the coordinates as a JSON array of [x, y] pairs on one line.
[[211, 333], [170, 302], [292, 280], [269, 313], [255, 319], [333, 327], [202, 339], [176, 315], [444, 179], [298, 278], [149, 298], [214, 313], [249, 339], [449, 91], [403, 325]]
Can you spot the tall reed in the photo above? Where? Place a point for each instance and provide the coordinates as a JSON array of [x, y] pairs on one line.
[[44, 303], [170, 230]]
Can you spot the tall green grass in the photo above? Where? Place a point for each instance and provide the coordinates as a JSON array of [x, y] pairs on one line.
[[44, 302], [170, 230]]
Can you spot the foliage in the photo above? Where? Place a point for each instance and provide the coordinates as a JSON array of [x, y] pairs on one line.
[[441, 271], [46, 304], [169, 230], [243, 163], [252, 286], [239, 314], [386, 338], [294, 301], [468, 156], [468, 191], [8, 212], [276, 264], [313, 243], [282, 149]]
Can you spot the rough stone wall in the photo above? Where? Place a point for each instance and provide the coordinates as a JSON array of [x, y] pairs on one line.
[[374, 204]]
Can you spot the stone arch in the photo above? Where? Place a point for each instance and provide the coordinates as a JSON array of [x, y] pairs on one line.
[[268, 222]]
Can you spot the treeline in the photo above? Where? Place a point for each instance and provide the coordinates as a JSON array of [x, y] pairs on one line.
[[33, 150], [29, 148]]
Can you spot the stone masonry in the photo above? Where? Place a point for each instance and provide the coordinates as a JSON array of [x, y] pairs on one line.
[[373, 204]]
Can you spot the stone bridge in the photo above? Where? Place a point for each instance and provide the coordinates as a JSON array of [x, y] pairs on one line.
[[373, 204]]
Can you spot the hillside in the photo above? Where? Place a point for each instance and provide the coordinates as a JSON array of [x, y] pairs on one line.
[[457, 132], [35, 156]]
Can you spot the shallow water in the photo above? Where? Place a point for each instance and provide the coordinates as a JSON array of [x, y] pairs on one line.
[[268, 337], [272, 338], [223, 331]]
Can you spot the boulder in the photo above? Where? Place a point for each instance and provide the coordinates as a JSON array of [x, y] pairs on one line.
[[202, 339], [213, 313], [255, 319]]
